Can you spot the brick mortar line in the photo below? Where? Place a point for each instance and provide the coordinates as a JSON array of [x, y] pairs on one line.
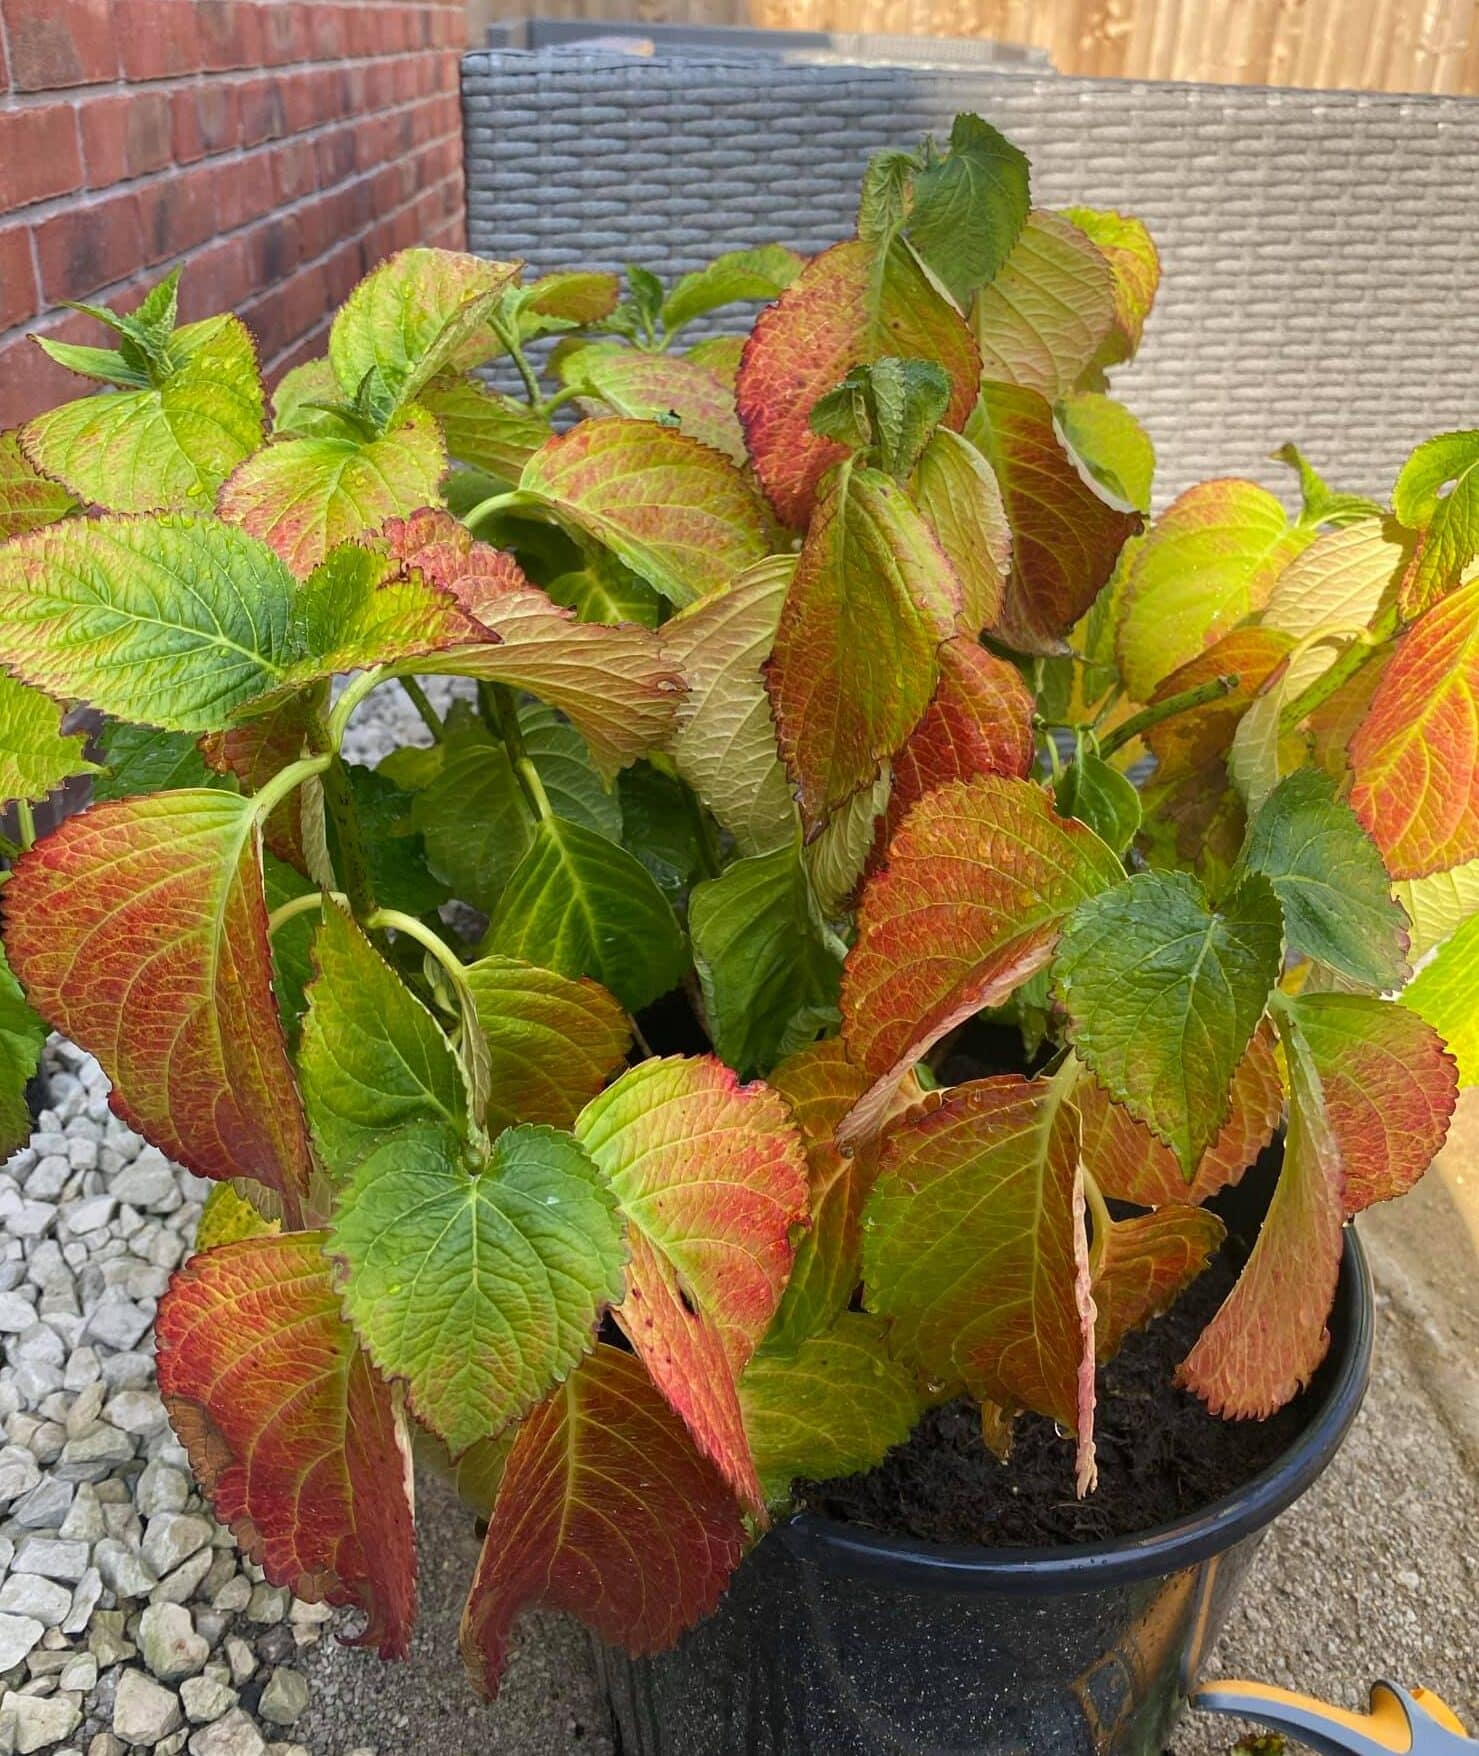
[[37, 213], [157, 270]]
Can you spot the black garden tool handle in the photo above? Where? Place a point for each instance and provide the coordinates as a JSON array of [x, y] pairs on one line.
[[1398, 1723]]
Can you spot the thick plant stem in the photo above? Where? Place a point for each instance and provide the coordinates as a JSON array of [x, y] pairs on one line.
[[25, 823], [504, 502], [417, 696], [521, 363], [302, 905], [1361, 650], [350, 863], [500, 708], [1128, 730]]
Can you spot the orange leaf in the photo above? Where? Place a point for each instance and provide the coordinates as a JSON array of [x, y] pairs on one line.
[[606, 1511], [290, 1430], [1144, 1264]]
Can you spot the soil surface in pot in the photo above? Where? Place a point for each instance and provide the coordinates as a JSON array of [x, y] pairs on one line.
[[1161, 1455]]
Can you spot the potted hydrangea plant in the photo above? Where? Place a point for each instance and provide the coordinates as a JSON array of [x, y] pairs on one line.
[[813, 996]]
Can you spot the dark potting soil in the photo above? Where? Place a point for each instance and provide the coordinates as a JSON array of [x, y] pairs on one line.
[[1161, 1455]]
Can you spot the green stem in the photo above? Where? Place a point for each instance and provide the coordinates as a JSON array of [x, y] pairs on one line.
[[499, 705], [282, 783], [429, 941], [516, 353], [25, 820], [417, 696], [1099, 1212], [494, 503], [561, 397], [708, 851], [301, 905], [354, 693], [1128, 730], [351, 864], [1364, 647]]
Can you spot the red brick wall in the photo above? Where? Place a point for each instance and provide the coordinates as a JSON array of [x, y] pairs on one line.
[[277, 148]]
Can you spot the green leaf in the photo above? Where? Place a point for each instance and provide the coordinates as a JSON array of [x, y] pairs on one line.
[[1437, 493], [304, 497], [28, 499], [395, 851], [770, 981], [660, 822], [579, 904], [34, 756], [479, 1284], [970, 207], [606, 591], [892, 407], [1111, 444], [888, 182], [737, 277], [172, 621], [1043, 320], [1099, 795], [1438, 905], [1330, 880], [22, 1038], [483, 429], [292, 943], [167, 446], [1322, 503], [1443, 993], [373, 1060], [833, 1407], [957, 491], [138, 759], [414, 316], [1163, 994]]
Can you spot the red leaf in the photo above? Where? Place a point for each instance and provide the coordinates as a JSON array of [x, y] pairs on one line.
[[1416, 755], [139, 928], [442, 549], [1065, 538], [1144, 1264], [979, 881], [606, 1511], [979, 722], [291, 1431], [855, 658], [256, 750], [1390, 1087], [1129, 1163], [711, 1177], [852, 305]]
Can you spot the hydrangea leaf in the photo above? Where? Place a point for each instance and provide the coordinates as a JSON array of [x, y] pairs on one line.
[[1443, 992], [299, 399], [1210, 560], [711, 1177], [1135, 265], [607, 1511], [571, 297], [35, 755], [1163, 994], [1415, 753], [979, 722], [768, 976], [969, 206], [1329, 879], [139, 929], [1437, 494], [303, 497], [606, 591], [1340, 581], [1111, 445], [1065, 536], [1438, 905], [1130, 1164], [660, 387], [412, 317], [974, 1249], [1048, 311], [1143, 1264], [227, 1217], [360, 608], [738, 277], [28, 500], [1098, 794], [855, 658], [580, 905], [833, 1406], [297, 1441], [552, 1042], [484, 429], [837, 858], [254, 750], [855, 303], [22, 1038], [724, 742], [1269, 1335], [171, 622], [957, 491], [979, 881], [373, 1060], [721, 354], [169, 446], [676, 512], [479, 1284], [821, 1085], [1389, 1087]]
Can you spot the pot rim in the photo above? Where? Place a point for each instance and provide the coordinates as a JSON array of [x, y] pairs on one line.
[[1165, 1548]]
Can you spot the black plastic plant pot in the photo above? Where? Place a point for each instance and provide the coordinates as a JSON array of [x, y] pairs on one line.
[[835, 1640]]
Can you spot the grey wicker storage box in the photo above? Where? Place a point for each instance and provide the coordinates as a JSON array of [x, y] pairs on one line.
[[1321, 250]]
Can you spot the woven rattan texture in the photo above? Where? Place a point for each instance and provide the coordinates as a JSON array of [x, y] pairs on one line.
[[1320, 250]]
